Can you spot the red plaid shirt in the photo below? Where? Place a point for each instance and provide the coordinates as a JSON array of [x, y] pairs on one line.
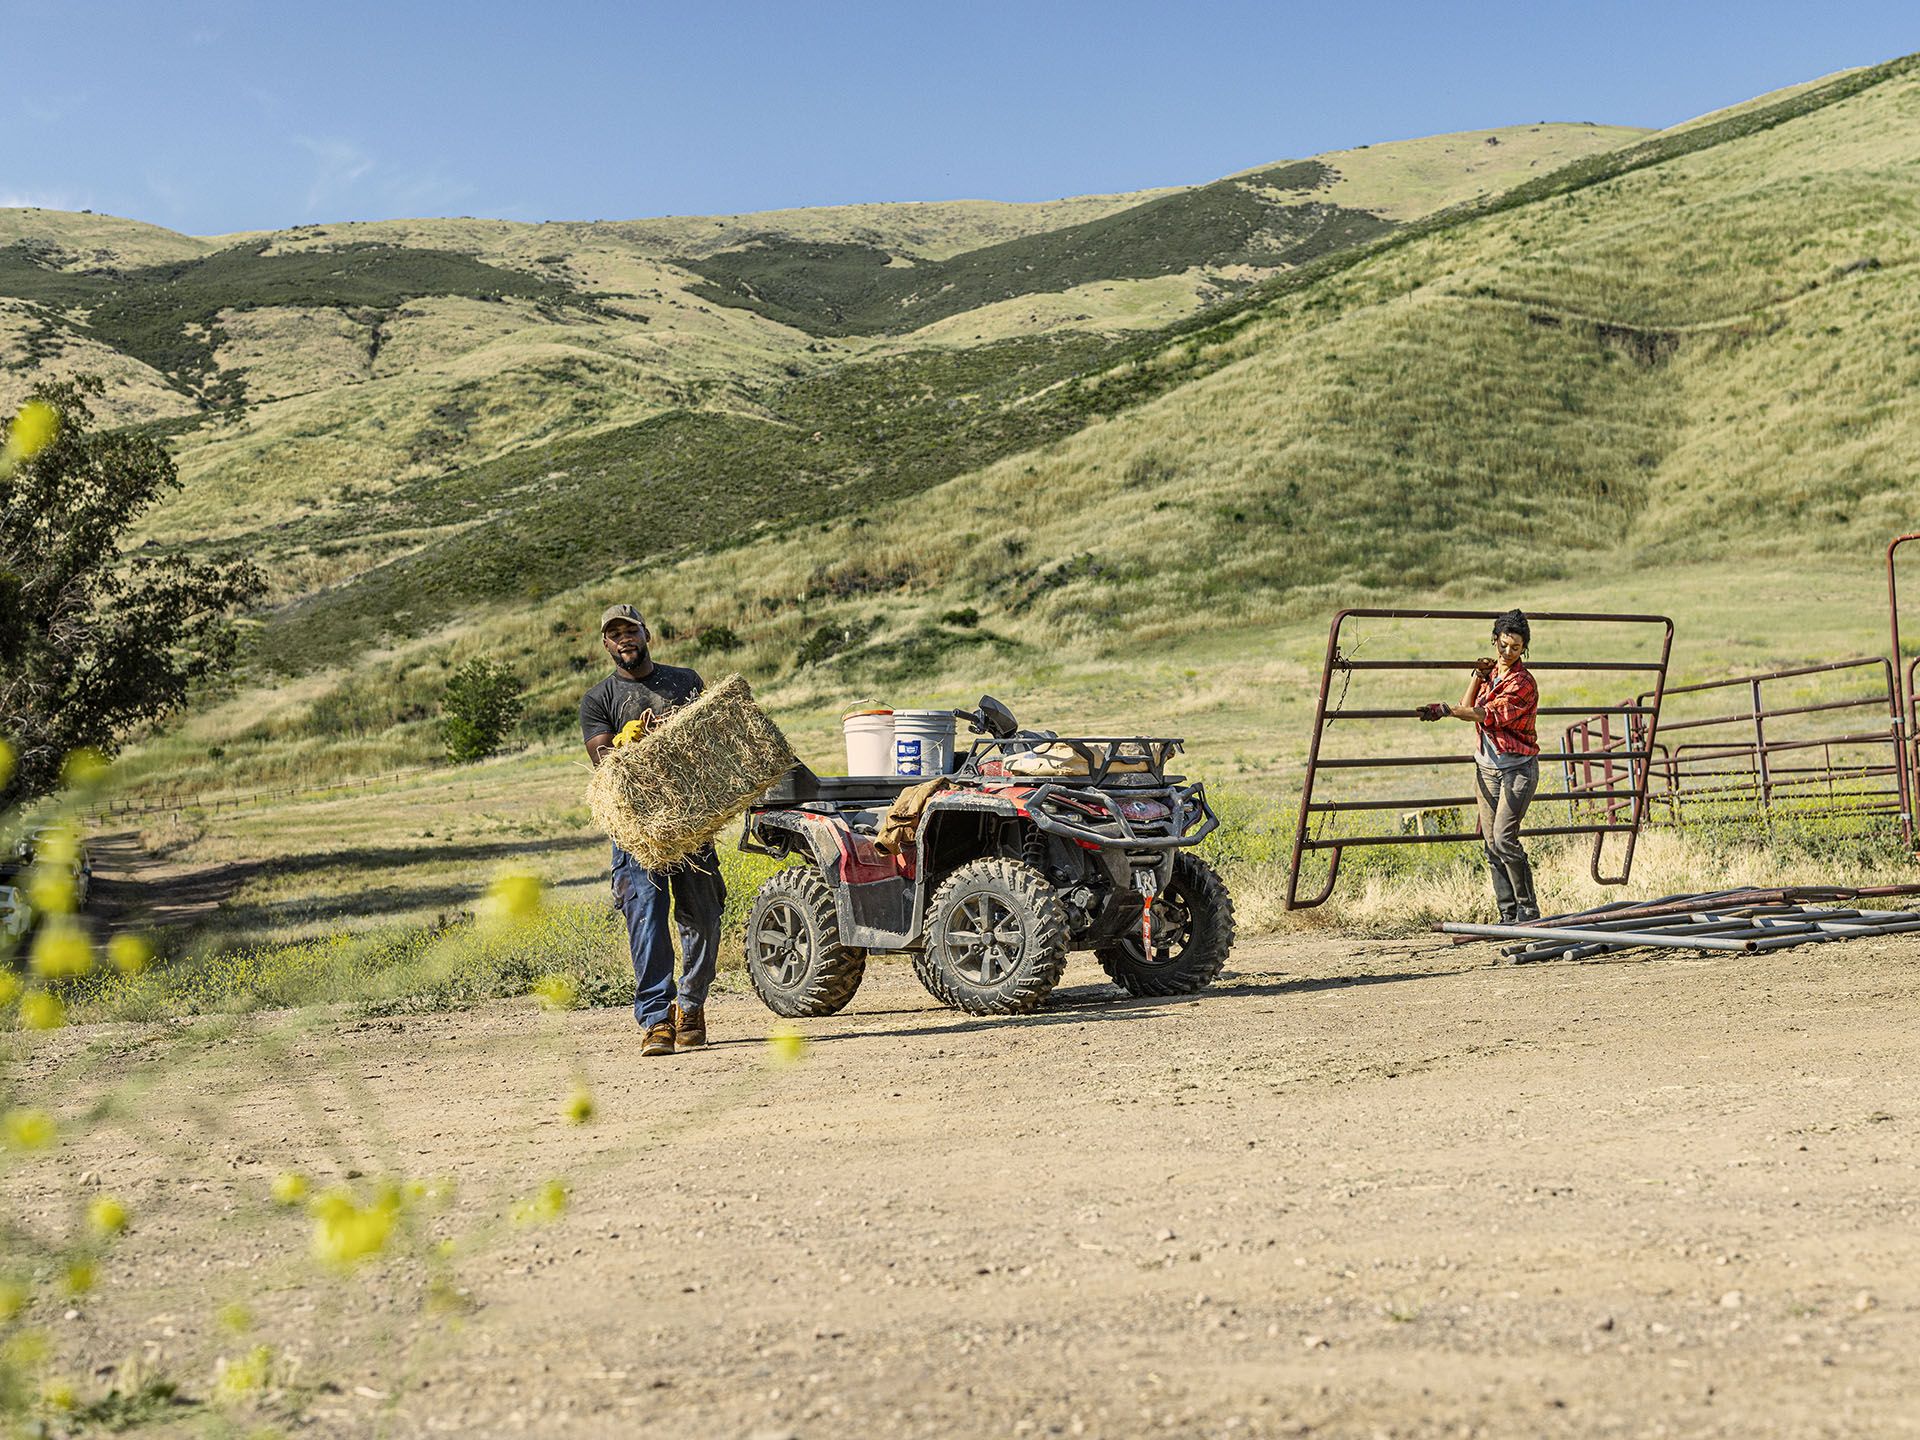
[[1509, 702]]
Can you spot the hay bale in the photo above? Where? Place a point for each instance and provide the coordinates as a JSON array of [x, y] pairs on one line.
[[671, 791]]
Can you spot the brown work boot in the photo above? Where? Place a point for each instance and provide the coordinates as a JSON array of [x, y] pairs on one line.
[[689, 1027], [659, 1039]]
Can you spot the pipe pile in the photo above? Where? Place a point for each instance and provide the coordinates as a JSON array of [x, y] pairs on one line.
[[1736, 921]]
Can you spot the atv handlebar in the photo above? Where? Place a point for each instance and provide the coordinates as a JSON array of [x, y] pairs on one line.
[[1194, 796]]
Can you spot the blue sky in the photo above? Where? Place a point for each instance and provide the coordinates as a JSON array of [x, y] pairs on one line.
[[218, 115]]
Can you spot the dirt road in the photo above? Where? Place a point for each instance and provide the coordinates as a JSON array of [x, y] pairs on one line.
[[1357, 1191]]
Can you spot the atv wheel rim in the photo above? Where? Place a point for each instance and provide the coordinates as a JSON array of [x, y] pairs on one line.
[[986, 939], [781, 944], [1172, 928]]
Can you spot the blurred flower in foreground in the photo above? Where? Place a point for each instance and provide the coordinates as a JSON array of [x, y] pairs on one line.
[[238, 1378], [6, 762], [346, 1232], [289, 1188], [50, 890], [235, 1317], [59, 1394], [129, 954], [786, 1046], [84, 769], [26, 1129], [107, 1216], [41, 1011], [555, 992], [580, 1106], [61, 951], [80, 1277], [515, 898], [9, 987], [33, 429], [547, 1203], [13, 1300]]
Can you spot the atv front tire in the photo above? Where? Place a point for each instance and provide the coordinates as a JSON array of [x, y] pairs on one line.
[[795, 959], [996, 939], [1189, 955]]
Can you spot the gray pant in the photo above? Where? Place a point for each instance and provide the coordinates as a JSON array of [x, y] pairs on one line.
[[1504, 796]]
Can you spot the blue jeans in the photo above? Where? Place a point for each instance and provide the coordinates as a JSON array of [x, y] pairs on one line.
[[698, 895]]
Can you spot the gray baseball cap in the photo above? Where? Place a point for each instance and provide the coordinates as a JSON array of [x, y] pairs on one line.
[[620, 612]]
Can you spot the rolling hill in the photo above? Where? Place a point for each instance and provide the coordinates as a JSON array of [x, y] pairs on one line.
[[1635, 356]]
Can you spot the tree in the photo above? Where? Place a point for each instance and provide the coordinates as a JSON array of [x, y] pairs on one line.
[[482, 703], [95, 642]]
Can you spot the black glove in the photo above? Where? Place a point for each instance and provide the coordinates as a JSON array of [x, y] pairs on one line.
[[1436, 711]]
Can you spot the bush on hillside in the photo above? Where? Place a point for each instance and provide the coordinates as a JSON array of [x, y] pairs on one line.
[[482, 703]]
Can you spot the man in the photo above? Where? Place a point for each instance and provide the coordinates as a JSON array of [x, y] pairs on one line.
[[1502, 700], [637, 695]]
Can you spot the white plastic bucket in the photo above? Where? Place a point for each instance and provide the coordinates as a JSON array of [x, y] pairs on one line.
[[922, 742], [869, 742]]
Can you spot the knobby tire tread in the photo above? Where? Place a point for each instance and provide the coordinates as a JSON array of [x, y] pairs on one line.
[[1045, 955], [837, 969], [1208, 943]]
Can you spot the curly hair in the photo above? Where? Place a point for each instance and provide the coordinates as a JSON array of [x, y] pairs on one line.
[[1513, 623]]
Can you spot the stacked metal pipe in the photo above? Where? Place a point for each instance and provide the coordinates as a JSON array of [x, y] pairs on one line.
[[1741, 921]]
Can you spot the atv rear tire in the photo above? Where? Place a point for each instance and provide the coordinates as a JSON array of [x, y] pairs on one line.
[[1190, 956], [996, 939], [794, 956]]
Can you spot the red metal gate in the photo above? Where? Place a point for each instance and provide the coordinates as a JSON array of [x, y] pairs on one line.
[[1600, 801]]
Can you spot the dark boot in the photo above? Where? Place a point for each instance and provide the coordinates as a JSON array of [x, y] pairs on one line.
[[1502, 890], [1525, 907]]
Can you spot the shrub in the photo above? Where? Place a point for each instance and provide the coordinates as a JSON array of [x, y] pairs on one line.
[[482, 703]]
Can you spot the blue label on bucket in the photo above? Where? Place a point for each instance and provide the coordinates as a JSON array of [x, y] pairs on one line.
[[906, 757]]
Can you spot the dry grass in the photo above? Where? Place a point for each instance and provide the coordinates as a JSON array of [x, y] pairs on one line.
[[668, 793]]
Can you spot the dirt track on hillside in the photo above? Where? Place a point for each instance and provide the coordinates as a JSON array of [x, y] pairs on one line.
[[1359, 1190]]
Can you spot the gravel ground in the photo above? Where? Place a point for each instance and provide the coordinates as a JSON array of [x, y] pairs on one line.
[[1357, 1190]]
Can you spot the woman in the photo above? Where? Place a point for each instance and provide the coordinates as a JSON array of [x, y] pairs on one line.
[[1501, 700]]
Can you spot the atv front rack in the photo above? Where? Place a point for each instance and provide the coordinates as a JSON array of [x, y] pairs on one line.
[[1100, 753]]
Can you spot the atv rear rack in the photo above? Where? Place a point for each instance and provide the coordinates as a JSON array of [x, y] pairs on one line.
[[1100, 752]]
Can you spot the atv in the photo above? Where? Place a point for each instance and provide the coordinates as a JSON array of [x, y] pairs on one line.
[[1036, 846]]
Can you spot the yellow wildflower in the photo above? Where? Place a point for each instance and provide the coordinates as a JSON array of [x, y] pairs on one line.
[[41, 1011], [516, 897], [58, 1394], [9, 987], [107, 1216], [50, 890], [289, 1188], [235, 1317], [346, 1232], [27, 1129], [555, 992], [547, 1203], [84, 768], [80, 1276], [580, 1106], [786, 1046], [13, 1300], [6, 762], [33, 429], [238, 1378], [129, 953], [61, 951], [58, 845]]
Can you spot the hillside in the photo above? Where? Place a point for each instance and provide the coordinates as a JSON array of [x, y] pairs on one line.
[[305, 370], [1685, 349]]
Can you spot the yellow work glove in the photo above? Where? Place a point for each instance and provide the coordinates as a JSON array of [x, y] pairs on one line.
[[630, 732]]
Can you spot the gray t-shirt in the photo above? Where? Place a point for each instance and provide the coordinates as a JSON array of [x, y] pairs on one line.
[[616, 701]]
